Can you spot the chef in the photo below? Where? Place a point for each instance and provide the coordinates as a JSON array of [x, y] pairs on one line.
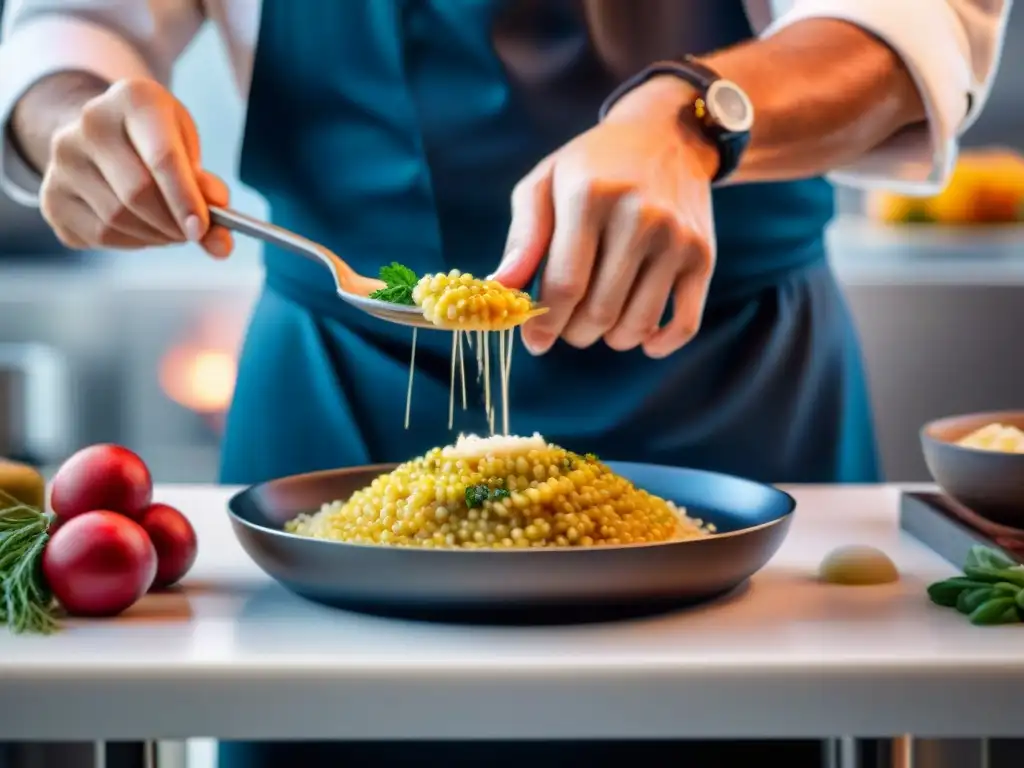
[[656, 170]]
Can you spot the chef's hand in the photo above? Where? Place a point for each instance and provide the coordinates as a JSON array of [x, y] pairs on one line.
[[623, 214], [126, 174]]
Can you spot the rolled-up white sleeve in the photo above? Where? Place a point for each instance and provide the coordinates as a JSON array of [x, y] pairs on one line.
[[111, 39], [952, 50]]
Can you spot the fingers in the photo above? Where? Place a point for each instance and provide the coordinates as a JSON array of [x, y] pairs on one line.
[[580, 209], [689, 298], [80, 227], [102, 220], [678, 271], [625, 244], [132, 159], [218, 241], [189, 134], [101, 144], [152, 123], [689, 295], [529, 235], [648, 299]]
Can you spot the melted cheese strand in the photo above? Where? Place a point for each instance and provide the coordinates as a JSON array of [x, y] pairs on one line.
[[412, 368], [479, 355], [511, 343], [507, 375], [487, 377], [451, 382], [503, 382], [462, 367]]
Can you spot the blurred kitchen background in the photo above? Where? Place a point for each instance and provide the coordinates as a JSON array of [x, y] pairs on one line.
[[140, 348]]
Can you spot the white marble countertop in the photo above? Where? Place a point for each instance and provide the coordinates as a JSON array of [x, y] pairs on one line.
[[233, 655]]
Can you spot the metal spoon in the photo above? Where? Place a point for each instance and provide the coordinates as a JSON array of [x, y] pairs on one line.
[[352, 287]]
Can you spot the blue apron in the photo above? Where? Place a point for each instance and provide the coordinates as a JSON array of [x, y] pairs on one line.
[[390, 130]]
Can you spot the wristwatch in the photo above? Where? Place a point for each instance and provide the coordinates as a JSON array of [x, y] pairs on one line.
[[722, 110]]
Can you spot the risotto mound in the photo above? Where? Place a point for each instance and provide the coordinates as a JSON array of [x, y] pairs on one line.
[[501, 492]]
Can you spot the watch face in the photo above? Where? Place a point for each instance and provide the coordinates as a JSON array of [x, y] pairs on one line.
[[730, 107]]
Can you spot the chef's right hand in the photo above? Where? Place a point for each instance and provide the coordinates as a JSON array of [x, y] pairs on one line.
[[126, 174]]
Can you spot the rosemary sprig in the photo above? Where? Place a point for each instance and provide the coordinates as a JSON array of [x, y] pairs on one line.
[[26, 602]]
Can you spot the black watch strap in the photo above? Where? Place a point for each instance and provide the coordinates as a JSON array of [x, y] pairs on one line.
[[730, 145]]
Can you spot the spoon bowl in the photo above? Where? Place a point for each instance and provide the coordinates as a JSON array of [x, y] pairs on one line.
[[353, 288]]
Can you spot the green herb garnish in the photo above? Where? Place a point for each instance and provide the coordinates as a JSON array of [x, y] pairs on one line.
[[991, 591], [591, 457], [399, 281], [476, 495], [26, 603]]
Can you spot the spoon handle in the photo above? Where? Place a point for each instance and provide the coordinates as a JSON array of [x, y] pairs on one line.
[[265, 231]]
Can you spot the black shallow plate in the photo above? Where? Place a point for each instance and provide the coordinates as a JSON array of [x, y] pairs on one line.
[[534, 585]]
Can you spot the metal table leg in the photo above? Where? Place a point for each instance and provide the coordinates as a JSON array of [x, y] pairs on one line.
[[906, 751], [950, 753], [847, 752]]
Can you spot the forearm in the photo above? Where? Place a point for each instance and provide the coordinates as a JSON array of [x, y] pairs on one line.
[[825, 92], [47, 106]]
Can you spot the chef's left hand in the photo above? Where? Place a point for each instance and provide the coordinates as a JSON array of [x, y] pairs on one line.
[[623, 214]]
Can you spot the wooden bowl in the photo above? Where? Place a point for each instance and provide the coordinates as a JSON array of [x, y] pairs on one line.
[[989, 483]]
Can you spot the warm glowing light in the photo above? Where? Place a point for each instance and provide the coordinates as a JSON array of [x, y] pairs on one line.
[[202, 380]]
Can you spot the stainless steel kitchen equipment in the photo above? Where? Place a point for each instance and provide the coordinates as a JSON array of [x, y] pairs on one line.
[[34, 403]]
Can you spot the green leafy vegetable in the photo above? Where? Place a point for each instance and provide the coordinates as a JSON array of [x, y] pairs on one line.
[[984, 557], [500, 493], [997, 610], [970, 600], [990, 592], [591, 457], [399, 281], [946, 593], [27, 605]]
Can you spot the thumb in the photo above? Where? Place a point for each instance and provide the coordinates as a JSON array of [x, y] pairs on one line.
[[529, 236]]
